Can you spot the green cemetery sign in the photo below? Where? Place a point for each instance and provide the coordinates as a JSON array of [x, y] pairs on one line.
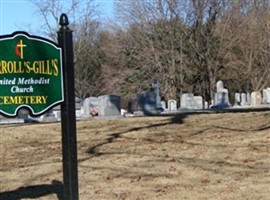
[[30, 74]]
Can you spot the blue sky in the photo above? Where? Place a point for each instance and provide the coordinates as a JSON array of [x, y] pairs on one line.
[[19, 15]]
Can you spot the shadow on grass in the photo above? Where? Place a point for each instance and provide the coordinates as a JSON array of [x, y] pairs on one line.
[[225, 165], [34, 191], [175, 119]]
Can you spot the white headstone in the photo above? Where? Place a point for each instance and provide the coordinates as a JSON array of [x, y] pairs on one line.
[[243, 99], [172, 105], [220, 86], [206, 105], [57, 114], [256, 98], [86, 107], [189, 101], [237, 98], [49, 117], [198, 102], [266, 96], [163, 104], [248, 99], [221, 97]]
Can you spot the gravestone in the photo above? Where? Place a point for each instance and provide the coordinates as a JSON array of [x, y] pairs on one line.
[[147, 103], [23, 114], [22, 119], [198, 102], [206, 105], [155, 87], [109, 105], [142, 97], [243, 99], [163, 105], [86, 107], [266, 96], [150, 102], [237, 99], [78, 103], [49, 117], [172, 105], [57, 112], [189, 101], [256, 98], [248, 99], [221, 97], [89, 104], [220, 86]]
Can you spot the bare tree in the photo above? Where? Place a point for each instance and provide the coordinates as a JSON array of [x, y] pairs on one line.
[[185, 44], [154, 45], [178, 42], [249, 53], [87, 59], [189, 45], [86, 28]]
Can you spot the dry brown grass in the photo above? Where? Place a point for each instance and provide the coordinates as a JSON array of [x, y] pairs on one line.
[[198, 156]]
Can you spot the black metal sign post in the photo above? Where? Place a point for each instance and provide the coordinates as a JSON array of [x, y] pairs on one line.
[[68, 117]]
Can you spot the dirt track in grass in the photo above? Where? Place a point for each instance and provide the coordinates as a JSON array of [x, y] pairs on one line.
[[185, 156]]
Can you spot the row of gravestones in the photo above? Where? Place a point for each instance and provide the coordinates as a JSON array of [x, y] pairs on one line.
[[52, 115], [145, 103], [256, 98], [149, 103], [253, 99], [106, 105]]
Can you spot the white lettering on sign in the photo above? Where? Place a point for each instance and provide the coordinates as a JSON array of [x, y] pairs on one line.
[[16, 89]]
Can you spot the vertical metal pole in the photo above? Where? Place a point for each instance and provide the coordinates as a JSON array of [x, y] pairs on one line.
[[68, 117]]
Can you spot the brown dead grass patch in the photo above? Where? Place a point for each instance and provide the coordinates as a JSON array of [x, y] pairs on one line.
[[186, 156]]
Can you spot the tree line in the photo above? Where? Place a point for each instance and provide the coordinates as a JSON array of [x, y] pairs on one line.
[[187, 45]]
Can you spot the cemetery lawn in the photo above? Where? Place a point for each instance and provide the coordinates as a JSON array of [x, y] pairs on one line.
[[187, 156]]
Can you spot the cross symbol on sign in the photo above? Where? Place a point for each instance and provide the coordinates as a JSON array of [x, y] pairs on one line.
[[19, 49]]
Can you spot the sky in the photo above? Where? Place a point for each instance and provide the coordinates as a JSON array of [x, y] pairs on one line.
[[19, 15]]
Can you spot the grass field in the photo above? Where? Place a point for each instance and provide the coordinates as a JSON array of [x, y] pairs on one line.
[[186, 156]]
